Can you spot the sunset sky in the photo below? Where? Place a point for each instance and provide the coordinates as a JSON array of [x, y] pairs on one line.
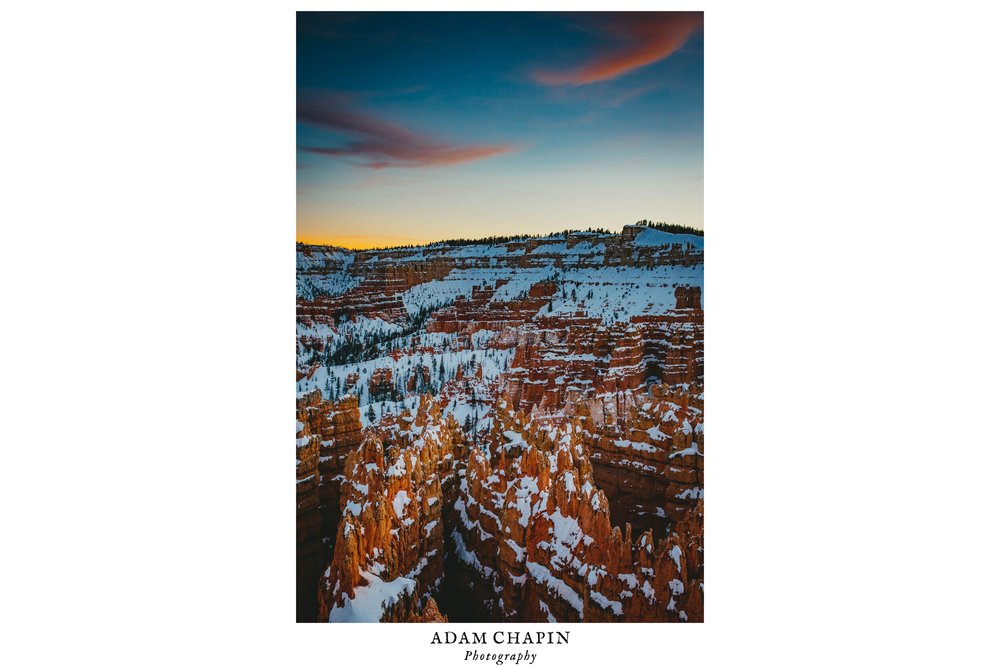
[[425, 126]]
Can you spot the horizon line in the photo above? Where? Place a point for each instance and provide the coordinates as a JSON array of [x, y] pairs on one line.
[[418, 243]]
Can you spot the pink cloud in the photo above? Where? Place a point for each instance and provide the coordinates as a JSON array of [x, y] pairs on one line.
[[379, 143], [647, 38]]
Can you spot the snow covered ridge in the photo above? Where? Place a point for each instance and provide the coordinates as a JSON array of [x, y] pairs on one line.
[[636, 245], [654, 237]]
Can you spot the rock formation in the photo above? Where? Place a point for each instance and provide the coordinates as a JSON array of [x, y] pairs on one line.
[[519, 424], [536, 530], [389, 549]]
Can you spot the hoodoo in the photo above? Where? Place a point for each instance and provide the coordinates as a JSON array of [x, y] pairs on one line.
[[509, 430]]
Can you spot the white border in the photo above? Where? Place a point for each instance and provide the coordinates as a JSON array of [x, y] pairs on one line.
[[851, 339]]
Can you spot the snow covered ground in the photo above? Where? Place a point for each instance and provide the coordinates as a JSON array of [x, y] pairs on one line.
[[576, 264], [617, 293], [371, 600]]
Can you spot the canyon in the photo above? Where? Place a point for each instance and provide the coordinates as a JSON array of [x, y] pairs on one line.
[[507, 430]]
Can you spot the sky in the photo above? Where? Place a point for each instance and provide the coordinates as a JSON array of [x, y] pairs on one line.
[[419, 127]]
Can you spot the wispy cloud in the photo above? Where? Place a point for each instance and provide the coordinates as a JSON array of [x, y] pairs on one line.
[[646, 38], [377, 143]]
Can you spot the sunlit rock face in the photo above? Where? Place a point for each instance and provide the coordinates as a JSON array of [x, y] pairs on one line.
[[508, 431], [390, 540]]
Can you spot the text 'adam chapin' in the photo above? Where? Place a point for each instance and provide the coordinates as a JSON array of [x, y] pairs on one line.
[[502, 637]]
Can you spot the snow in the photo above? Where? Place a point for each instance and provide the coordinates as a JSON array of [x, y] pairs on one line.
[[616, 607], [638, 446], [439, 292], [516, 548], [616, 293], [548, 614], [397, 469], [526, 488], [655, 237], [690, 451], [629, 579], [371, 600], [468, 556], [400, 502], [542, 575], [566, 533], [568, 481], [655, 433], [675, 554], [492, 361], [323, 272], [647, 590], [692, 493]]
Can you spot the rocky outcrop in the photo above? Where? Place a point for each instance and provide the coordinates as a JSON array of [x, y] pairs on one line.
[[688, 297], [327, 432], [430, 614], [310, 552], [379, 284], [389, 550], [480, 312], [380, 384], [564, 356], [647, 452], [536, 536]]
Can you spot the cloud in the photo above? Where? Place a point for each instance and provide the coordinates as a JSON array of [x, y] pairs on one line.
[[378, 143], [647, 38]]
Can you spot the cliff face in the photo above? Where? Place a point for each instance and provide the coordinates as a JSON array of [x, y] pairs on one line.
[[327, 433], [517, 425], [308, 525], [647, 452], [336, 428]]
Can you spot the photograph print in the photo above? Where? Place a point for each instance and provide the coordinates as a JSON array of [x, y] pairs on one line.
[[499, 317]]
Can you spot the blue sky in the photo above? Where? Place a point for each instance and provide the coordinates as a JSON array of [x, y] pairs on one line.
[[415, 127]]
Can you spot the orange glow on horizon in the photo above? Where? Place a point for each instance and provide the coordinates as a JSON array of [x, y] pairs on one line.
[[363, 242]]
